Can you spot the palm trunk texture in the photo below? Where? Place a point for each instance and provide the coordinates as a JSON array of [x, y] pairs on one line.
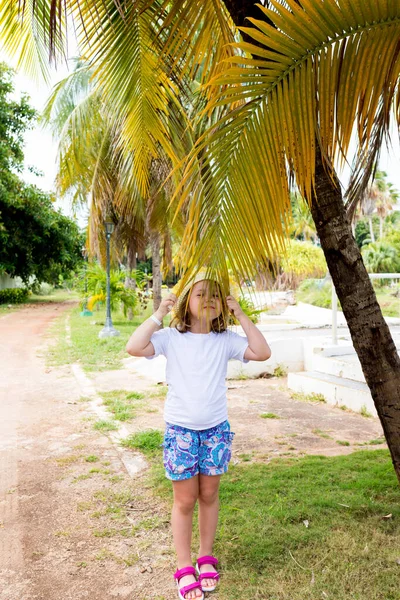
[[371, 336]]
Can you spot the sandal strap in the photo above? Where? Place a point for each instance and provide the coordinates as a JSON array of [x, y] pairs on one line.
[[213, 575], [207, 560], [184, 571], [187, 588]]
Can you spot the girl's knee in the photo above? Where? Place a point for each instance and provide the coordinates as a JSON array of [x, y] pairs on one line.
[[208, 495], [185, 499]]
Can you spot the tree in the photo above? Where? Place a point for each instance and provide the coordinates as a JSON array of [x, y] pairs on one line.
[[264, 135], [35, 240], [91, 164], [284, 104]]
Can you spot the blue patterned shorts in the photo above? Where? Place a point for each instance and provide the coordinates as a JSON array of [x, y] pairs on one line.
[[188, 452]]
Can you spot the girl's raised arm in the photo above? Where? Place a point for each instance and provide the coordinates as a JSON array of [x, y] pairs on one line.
[[139, 343]]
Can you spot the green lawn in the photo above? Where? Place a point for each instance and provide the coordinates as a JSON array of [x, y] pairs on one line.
[[312, 293], [93, 354], [308, 528]]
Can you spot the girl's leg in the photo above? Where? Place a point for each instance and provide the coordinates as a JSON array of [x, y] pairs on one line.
[[186, 493], [208, 518]]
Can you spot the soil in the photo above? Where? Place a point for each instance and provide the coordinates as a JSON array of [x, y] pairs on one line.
[[73, 523]]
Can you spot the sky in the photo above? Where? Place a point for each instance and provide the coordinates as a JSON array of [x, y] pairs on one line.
[[41, 149]]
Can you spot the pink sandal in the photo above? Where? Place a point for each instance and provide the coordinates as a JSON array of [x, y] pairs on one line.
[[187, 588], [207, 560]]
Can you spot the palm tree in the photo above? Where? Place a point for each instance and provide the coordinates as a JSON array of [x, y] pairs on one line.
[[289, 113], [90, 166], [284, 104]]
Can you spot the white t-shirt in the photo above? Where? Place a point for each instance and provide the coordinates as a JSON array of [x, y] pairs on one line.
[[196, 370]]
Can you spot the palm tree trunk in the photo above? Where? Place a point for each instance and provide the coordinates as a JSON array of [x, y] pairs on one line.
[[157, 279], [130, 283], [371, 336]]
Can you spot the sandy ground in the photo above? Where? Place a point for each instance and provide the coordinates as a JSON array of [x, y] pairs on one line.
[[74, 528]]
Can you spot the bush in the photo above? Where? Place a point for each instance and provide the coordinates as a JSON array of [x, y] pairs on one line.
[[14, 295], [315, 291], [300, 261], [42, 289], [381, 257]]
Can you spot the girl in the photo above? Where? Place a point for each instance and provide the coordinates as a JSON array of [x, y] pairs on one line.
[[197, 442]]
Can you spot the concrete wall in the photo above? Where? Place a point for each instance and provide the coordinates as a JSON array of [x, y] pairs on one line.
[[9, 282]]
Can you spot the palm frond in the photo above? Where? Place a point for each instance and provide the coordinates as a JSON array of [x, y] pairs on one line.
[[31, 31], [327, 65], [196, 37], [132, 80]]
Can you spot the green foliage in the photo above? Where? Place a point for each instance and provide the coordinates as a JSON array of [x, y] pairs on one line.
[[14, 295], [301, 260], [120, 296], [249, 309], [301, 225], [316, 292], [381, 257], [34, 238], [280, 371]]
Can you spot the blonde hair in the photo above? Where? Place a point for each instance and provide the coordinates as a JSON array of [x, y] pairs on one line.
[[181, 318]]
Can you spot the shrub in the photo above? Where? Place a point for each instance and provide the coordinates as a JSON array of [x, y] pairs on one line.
[[301, 260], [14, 295], [381, 257], [316, 292]]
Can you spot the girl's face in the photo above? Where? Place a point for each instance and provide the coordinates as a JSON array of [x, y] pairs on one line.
[[205, 301]]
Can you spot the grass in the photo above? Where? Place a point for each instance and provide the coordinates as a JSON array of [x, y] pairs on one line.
[[314, 398], [93, 354], [312, 292], [56, 297], [364, 412], [105, 425], [280, 371], [321, 433], [92, 458], [122, 404], [347, 552], [148, 442], [269, 416]]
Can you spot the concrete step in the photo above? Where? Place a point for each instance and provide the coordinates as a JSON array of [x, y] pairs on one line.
[[347, 366], [336, 390]]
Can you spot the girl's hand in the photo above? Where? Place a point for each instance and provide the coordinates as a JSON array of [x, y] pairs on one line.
[[234, 306], [166, 305]]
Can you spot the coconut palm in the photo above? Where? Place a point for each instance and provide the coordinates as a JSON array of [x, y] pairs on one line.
[[89, 165], [285, 104]]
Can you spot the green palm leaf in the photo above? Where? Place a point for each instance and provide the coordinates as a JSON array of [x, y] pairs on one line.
[[326, 66]]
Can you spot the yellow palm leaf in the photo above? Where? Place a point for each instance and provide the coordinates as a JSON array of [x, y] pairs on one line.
[[335, 66]]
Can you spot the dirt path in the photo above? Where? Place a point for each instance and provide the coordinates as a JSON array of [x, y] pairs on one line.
[[65, 522], [73, 523]]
